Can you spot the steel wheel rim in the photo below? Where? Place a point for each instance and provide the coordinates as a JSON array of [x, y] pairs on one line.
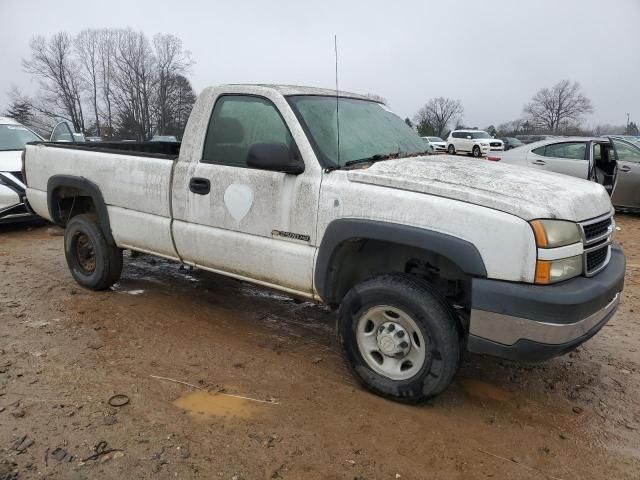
[[381, 343], [85, 253]]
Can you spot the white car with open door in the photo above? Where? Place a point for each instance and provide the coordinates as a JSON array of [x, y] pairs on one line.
[[612, 162], [13, 138]]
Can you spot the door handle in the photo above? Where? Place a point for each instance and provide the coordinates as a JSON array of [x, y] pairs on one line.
[[539, 162], [625, 168], [199, 185]]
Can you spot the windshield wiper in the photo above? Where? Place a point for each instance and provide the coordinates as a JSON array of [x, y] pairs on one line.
[[378, 157], [372, 159]]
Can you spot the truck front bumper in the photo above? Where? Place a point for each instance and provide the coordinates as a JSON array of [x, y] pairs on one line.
[[532, 323]]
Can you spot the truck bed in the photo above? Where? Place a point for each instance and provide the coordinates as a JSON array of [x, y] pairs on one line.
[[134, 180], [162, 150]]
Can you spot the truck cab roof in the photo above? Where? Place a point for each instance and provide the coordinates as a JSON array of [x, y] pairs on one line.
[[289, 90]]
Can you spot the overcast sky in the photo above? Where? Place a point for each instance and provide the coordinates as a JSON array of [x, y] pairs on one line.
[[493, 55]]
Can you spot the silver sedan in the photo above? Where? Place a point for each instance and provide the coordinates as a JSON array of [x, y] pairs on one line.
[[612, 162]]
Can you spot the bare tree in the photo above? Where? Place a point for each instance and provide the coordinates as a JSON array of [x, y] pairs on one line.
[[22, 109], [172, 61], [438, 113], [133, 87], [133, 83], [106, 55], [60, 82], [559, 106], [183, 99], [87, 47]]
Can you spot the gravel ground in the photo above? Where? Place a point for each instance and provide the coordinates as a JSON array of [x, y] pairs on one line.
[[65, 351]]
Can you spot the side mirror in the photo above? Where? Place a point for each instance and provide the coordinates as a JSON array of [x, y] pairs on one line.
[[275, 157], [469, 137]]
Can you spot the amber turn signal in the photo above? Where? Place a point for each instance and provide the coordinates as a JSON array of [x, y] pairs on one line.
[[538, 231]]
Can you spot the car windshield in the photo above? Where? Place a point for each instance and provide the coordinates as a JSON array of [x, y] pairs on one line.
[[367, 129], [513, 141], [435, 139], [479, 135], [15, 137]]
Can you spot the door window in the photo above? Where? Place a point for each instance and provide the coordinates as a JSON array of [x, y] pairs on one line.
[[627, 152], [569, 150], [237, 123]]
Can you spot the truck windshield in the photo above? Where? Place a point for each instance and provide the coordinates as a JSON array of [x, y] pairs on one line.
[[367, 129], [15, 137]]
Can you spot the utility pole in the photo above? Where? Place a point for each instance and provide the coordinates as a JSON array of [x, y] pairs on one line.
[[628, 119]]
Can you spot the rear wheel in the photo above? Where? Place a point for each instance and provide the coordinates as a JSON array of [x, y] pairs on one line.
[[476, 151], [399, 337], [451, 149], [92, 261]]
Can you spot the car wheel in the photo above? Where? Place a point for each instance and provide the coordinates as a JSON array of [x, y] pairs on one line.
[[476, 151], [451, 149], [399, 337], [93, 263]]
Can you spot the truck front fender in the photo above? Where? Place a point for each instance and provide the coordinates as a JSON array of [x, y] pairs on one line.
[[461, 252]]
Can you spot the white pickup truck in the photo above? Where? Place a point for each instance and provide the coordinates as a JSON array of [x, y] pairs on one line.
[[423, 256]]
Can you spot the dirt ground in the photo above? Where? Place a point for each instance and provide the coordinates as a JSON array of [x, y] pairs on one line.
[[65, 351]]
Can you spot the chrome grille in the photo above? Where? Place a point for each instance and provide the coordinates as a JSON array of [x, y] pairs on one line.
[[597, 257], [596, 237], [594, 231]]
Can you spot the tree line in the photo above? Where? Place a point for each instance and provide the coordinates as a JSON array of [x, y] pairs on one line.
[[111, 83], [556, 110]]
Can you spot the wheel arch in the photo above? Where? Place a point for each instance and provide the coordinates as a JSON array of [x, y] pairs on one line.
[[60, 187], [342, 234]]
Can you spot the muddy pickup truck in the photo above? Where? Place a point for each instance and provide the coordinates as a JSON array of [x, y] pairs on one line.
[[423, 257]]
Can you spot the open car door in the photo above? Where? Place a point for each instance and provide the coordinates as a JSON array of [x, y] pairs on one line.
[[63, 132], [626, 190]]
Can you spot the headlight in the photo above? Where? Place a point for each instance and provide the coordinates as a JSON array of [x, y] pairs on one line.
[[552, 271], [555, 233], [484, 144]]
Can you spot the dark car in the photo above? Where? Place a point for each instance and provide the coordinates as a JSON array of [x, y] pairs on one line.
[[511, 142]]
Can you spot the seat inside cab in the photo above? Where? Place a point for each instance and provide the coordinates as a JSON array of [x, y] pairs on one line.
[[604, 165]]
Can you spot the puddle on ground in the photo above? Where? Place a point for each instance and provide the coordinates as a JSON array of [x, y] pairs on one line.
[[201, 405], [484, 390]]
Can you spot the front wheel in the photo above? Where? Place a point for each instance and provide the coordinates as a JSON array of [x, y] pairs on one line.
[[399, 337], [93, 263], [451, 149], [476, 151]]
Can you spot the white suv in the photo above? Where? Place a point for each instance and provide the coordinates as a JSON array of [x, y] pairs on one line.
[[475, 142]]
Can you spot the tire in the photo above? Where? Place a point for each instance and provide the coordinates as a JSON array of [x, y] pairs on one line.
[[421, 370], [476, 151], [93, 263], [451, 149]]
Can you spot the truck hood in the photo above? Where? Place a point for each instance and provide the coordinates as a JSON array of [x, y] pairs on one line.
[[10, 161], [520, 191]]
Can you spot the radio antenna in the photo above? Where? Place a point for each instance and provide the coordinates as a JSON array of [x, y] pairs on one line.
[[335, 49]]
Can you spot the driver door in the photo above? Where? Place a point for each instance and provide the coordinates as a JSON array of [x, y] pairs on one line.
[[626, 192], [241, 221]]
